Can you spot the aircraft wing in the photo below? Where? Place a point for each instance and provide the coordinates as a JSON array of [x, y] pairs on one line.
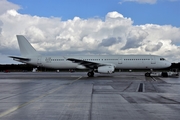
[[19, 58], [88, 64]]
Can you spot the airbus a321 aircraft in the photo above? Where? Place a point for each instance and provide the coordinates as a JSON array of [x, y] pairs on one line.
[[95, 63]]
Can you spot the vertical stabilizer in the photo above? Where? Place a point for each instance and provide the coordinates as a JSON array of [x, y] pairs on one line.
[[25, 47]]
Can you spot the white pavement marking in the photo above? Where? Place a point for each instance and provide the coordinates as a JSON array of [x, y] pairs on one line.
[[31, 101]]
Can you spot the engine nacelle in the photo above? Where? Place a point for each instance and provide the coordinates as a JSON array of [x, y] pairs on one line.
[[81, 67], [106, 69]]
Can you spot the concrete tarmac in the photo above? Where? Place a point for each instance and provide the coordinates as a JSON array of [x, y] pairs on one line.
[[74, 96]]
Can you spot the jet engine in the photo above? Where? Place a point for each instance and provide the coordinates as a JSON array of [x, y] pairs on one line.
[[106, 69]]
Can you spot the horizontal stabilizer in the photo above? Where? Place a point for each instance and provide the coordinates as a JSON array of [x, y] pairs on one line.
[[20, 58]]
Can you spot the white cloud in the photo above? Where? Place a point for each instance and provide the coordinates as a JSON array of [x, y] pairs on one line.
[[114, 35], [142, 1], [5, 5], [146, 1], [154, 47], [173, 0]]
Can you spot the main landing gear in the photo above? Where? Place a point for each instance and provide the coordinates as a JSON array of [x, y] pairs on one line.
[[90, 74], [148, 74]]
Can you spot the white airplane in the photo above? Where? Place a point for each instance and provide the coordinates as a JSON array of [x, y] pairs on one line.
[[95, 63]]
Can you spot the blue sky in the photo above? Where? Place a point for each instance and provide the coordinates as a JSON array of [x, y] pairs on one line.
[[162, 12]]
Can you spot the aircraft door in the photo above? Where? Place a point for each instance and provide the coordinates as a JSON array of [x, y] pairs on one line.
[[153, 60], [120, 60], [39, 62]]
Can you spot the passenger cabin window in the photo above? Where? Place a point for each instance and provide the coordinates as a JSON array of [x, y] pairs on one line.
[[162, 59]]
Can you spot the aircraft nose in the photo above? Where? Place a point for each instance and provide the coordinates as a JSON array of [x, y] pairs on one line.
[[167, 64]]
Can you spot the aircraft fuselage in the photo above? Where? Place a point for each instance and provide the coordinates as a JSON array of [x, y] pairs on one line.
[[118, 61]]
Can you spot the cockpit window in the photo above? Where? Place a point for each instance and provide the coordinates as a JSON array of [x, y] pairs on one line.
[[162, 59]]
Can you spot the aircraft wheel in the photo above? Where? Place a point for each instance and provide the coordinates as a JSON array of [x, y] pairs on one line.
[[147, 74], [90, 74]]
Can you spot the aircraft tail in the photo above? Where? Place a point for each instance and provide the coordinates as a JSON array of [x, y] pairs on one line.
[[26, 48]]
